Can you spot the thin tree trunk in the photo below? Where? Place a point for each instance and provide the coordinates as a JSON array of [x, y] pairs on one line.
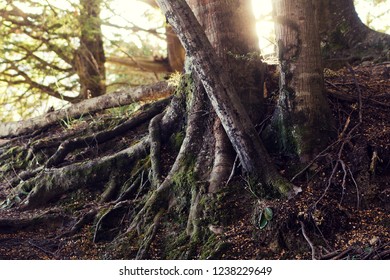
[[176, 53], [90, 57]]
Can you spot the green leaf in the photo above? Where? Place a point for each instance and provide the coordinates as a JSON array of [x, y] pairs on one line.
[[263, 223], [268, 214]]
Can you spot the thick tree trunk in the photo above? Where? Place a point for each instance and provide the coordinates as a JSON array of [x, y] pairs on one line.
[[90, 57], [302, 119], [222, 94], [240, 55], [345, 36], [238, 50]]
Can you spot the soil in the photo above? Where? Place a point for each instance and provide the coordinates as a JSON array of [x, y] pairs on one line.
[[342, 212]]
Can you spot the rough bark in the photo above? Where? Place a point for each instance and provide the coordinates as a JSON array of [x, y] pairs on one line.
[[239, 51], [119, 98], [302, 119], [240, 54]]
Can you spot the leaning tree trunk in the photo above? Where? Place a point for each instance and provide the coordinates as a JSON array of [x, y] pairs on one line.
[[302, 119], [90, 58], [344, 35], [240, 54]]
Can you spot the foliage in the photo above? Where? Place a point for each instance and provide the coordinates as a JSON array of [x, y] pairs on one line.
[[38, 40]]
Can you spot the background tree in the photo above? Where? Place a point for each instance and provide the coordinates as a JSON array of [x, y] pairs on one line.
[[345, 36], [50, 50], [74, 60], [89, 58]]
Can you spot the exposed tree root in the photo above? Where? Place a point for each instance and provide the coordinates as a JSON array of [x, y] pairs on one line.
[[150, 234], [82, 221], [155, 149], [52, 183], [10, 225], [108, 225], [98, 138]]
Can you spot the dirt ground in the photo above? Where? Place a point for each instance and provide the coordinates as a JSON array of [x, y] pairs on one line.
[[342, 213]]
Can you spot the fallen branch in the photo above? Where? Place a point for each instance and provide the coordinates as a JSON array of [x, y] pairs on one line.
[[358, 90], [43, 249], [119, 98], [336, 255]]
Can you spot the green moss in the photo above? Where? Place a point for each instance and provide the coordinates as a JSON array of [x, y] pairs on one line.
[[185, 178], [178, 248], [214, 248], [176, 140], [15, 158]]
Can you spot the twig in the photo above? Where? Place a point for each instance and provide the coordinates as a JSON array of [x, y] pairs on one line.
[[359, 92], [344, 167], [329, 183], [322, 235], [311, 162], [382, 254], [313, 252], [233, 170], [342, 254], [42, 249], [357, 189], [339, 160], [336, 254]]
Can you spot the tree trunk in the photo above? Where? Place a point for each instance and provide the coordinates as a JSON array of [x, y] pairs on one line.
[[345, 36], [240, 55], [90, 57], [222, 94], [176, 53], [302, 119]]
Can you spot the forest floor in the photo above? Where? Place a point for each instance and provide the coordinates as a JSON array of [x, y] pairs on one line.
[[342, 212]]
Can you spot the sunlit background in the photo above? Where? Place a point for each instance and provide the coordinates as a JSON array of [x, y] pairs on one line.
[[122, 17], [375, 14]]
